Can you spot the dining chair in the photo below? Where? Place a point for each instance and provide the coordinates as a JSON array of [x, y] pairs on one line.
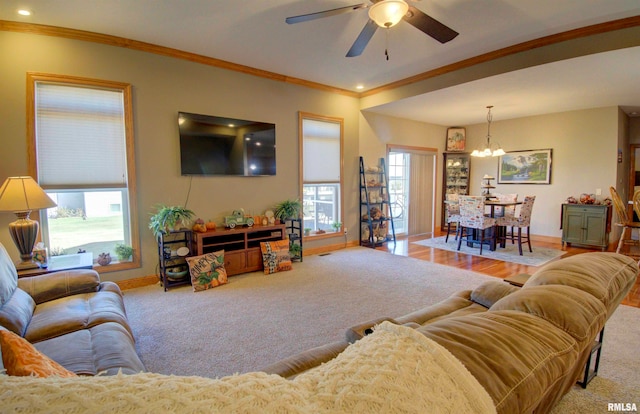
[[522, 221], [453, 214], [472, 218], [625, 244]]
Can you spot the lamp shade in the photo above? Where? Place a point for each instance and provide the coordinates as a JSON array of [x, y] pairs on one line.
[[23, 194], [388, 13]]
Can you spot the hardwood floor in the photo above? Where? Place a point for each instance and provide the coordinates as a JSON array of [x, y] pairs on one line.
[[404, 247]]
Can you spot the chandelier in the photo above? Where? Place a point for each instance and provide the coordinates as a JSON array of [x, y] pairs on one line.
[[489, 149], [388, 13]]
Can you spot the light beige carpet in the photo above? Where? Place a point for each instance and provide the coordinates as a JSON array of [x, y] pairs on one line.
[[258, 319]]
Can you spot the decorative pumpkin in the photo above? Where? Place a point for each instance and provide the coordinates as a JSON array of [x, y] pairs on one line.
[[199, 226], [375, 213], [104, 259], [210, 225]]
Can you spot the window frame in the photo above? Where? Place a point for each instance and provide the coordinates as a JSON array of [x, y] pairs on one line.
[[322, 118], [32, 79]]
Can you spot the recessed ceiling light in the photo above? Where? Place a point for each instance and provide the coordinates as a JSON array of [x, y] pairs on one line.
[[360, 87], [24, 12]]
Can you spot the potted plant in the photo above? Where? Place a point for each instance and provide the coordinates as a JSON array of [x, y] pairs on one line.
[[167, 218], [336, 226], [123, 252], [307, 231], [295, 250], [288, 209]]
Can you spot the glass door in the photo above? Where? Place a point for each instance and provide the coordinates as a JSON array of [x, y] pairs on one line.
[[398, 170]]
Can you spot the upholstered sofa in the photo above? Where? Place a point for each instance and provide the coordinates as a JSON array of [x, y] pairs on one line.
[[526, 346], [496, 348], [71, 317]]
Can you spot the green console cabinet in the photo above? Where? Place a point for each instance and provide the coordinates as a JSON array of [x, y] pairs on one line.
[[586, 225]]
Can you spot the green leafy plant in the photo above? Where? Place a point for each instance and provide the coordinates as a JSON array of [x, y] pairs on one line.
[[166, 218], [336, 225], [123, 252], [295, 250], [288, 209]]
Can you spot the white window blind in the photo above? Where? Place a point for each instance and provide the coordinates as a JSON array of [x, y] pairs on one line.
[[80, 136], [321, 151]]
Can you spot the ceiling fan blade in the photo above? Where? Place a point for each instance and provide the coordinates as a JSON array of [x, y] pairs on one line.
[[326, 13], [429, 25], [363, 39]]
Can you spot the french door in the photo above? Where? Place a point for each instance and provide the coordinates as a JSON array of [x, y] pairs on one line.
[[412, 186]]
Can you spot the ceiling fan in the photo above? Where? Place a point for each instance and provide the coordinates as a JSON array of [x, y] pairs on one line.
[[386, 14]]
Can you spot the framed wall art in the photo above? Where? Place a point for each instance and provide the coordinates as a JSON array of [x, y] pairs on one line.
[[456, 139], [525, 167]]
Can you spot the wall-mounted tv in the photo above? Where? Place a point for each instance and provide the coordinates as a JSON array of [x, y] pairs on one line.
[[212, 145]]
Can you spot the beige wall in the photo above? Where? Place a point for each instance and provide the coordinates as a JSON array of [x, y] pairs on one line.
[[584, 147], [161, 87]]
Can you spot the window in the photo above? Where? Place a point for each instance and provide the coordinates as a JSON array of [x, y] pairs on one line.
[[321, 158], [81, 133]]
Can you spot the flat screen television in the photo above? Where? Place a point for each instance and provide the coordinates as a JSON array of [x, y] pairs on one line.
[[212, 145]]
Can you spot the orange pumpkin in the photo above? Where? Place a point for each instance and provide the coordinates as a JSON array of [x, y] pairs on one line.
[[210, 225], [199, 226]]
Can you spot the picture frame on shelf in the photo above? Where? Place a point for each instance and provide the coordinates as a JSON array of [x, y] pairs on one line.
[[456, 139], [525, 167]]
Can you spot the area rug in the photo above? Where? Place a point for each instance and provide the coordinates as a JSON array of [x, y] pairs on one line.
[[259, 319], [256, 319], [510, 253]]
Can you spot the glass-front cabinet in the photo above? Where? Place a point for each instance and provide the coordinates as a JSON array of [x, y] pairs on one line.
[[455, 177]]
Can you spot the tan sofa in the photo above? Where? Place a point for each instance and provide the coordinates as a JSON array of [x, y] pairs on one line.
[[526, 346], [71, 317]]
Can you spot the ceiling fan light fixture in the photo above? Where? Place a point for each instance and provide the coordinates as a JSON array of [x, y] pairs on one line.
[[388, 13]]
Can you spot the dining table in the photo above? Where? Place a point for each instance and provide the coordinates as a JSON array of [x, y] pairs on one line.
[[501, 231]]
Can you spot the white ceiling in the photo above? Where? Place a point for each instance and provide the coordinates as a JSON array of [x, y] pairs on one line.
[[254, 33]]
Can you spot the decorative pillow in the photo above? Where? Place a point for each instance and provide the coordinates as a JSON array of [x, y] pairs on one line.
[[20, 358], [275, 256], [207, 271]]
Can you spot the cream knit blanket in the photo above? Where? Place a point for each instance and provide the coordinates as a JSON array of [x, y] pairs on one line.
[[393, 370]]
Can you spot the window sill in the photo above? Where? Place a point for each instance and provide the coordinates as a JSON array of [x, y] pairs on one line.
[[117, 266], [327, 235]]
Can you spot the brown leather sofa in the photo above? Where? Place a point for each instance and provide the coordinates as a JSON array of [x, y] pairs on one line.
[[526, 346], [71, 316]]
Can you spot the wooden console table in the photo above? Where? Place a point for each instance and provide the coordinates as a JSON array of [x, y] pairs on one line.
[[241, 245]]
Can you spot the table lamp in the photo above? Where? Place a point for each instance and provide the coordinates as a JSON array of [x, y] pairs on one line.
[[21, 195]]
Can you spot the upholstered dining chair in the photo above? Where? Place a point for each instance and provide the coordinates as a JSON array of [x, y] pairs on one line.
[[453, 215], [625, 244], [472, 218], [522, 221]]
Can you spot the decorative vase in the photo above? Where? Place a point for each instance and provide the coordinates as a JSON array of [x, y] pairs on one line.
[[104, 259]]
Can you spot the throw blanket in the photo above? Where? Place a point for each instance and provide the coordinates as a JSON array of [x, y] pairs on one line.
[[393, 370]]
